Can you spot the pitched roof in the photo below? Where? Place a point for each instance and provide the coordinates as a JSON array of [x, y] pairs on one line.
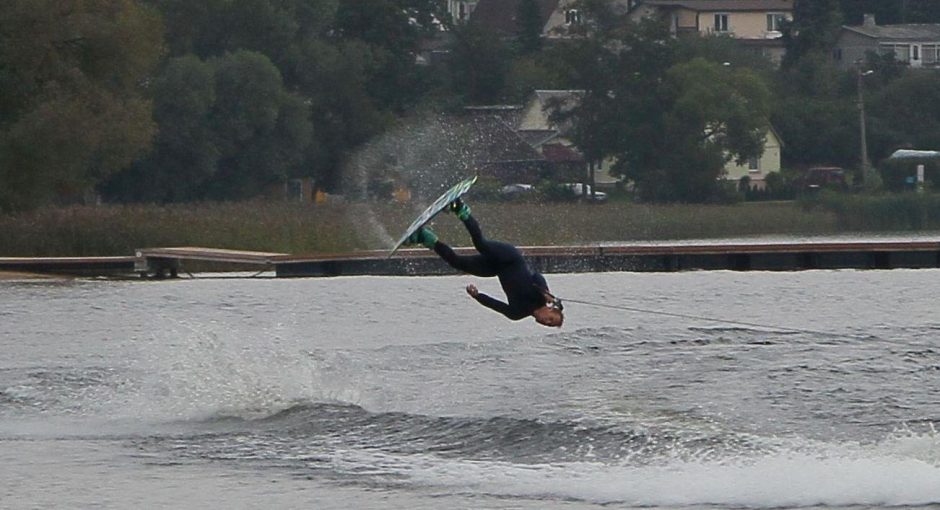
[[537, 137], [487, 138], [500, 15], [909, 32], [560, 153], [726, 5]]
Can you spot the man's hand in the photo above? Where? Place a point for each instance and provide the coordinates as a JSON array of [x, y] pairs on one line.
[[472, 290]]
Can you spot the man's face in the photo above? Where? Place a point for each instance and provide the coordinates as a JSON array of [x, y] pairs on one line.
[[550, 317]]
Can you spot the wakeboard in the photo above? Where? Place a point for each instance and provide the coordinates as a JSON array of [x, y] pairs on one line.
[[439, 205]]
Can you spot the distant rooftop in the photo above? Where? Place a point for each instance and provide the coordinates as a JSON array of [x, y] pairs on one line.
[[909, 32], [726, 5], [500, 15]]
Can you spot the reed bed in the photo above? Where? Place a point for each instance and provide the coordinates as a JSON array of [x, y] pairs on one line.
[[332, 228]]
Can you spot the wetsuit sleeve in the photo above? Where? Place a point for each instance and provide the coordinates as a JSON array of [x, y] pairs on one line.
[[499, 306], [540, 282]]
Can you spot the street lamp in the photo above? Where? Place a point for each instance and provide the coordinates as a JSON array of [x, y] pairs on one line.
[[861, 124]]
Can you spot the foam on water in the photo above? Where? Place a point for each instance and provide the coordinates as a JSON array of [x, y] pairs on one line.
[[884, 474]]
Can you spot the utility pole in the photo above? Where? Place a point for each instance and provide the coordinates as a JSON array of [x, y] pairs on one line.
[[861, 123]]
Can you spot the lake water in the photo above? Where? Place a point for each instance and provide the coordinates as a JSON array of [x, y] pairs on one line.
[[378, 392]]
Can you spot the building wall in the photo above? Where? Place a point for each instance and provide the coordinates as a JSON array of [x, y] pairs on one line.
[[767, 163], [743, 25], [557, 24], [852, 47]]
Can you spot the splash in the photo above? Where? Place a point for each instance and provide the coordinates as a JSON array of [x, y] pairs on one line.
[[425, 153]]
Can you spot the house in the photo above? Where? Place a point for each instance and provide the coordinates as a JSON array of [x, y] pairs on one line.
[[757, 168], [557, 17], [552, 139], [754, 23], [482, 140], [918, 45]]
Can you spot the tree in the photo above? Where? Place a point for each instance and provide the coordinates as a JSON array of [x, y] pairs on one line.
[[72, 110], [185, 153], [530, 24], [479, 65], [814, 29], [260, 129], [232, 129], [906, 113], [715, 115]]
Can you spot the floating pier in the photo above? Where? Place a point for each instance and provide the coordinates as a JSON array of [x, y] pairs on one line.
[[168, 262], [80, 266], [641, 258]]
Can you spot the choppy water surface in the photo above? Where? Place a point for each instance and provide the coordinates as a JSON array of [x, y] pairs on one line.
[[403, 393]]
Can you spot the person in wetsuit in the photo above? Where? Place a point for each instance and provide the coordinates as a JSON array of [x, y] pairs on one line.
[[526, 291]]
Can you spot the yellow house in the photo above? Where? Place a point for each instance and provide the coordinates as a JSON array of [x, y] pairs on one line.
[[755, 23], [757, 168], [536, 127]]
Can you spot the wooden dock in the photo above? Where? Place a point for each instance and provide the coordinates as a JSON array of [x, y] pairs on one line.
[[80, 266], [641, 258], [167, 262]]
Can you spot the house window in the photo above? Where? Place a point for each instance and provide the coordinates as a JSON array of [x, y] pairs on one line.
[[753, 164], [930, 54], [775, 21], [721, 23], [901, 52], [572, 17]]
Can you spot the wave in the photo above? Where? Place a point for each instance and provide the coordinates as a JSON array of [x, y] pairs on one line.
[[780, 480], [572, 461]]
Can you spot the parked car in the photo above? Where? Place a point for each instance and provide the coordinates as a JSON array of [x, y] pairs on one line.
[[818, 177], [512, 190], [579, 189]]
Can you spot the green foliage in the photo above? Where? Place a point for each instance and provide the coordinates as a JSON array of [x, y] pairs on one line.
[[72, 110], [671, 119], [530, 26], [816, 115], [722, 49], [900, 175], [814, 29], [907, 112], [479, 65], [236, 130]]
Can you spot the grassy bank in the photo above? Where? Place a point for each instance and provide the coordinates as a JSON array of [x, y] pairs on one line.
[[287, 228]]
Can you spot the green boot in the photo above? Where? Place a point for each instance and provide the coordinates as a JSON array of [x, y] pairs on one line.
[[461, 209], [424, 236]]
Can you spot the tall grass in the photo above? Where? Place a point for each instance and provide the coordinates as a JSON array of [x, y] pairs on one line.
[[899, 211], [292, 228]]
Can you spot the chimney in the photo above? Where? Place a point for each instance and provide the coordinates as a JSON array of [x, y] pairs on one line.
[[869, 21]]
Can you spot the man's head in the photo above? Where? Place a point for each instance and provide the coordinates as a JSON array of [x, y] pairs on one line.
[[549, 316]]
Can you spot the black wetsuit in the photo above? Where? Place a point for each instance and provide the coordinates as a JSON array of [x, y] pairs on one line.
[[522, 286]]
